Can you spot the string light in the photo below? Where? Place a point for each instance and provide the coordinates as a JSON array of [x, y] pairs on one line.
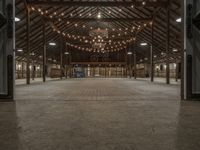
[[123, 31]]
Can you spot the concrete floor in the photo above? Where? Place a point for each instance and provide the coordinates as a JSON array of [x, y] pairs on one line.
[[99, 114], [36, 80]]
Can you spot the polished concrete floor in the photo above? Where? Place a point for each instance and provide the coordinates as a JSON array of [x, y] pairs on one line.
[[99, 114]]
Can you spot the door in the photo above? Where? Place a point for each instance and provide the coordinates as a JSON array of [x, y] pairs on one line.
[[6, 49]]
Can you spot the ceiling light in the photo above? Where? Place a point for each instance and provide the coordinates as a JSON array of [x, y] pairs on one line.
[[66, 53], [20, 50], [175, 50], [17, 19], [99, 15], [143, 3], [129, 53], [143, 44], [52, 44], [178, 20]]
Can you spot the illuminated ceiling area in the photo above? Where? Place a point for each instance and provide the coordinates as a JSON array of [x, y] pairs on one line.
[[99, 27]]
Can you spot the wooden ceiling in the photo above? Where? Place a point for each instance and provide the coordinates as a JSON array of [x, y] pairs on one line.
[[127, 22]]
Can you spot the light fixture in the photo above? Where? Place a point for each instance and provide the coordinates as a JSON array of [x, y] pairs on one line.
[[143, 44], [175, 65], [129, 53], [52, 44], [99, 15], [66, 53], [17, 19], [20, 50], [144, 3], [175, 50], [178, 20]]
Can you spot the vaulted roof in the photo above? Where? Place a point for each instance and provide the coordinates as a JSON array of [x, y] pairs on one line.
[[125, 23]]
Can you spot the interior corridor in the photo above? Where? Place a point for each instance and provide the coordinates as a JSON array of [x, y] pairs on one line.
[[118, 114]]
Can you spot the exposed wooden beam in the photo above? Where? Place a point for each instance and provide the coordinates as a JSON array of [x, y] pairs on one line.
[[98, 3], [102, 19]]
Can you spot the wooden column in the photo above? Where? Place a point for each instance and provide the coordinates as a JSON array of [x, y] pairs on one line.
[[152, 63], [61, 57], [135, 61], [28, 45], [69, 63], [66, 66], [168, 44], [105, 71], [126, 59], [130, 63], [22, 69], [116, 70], [130, 66], [177, 70], [151, 51], [44, 53]]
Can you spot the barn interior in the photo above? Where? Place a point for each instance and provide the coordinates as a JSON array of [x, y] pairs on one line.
[[99, 74]]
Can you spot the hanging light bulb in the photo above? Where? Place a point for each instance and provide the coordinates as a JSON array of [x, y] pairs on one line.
[[99, 15]]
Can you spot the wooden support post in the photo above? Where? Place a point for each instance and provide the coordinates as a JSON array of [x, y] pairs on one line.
[[61, 57], [22, 69], [105, 71], [44, 53], [69, 63], [116, 70], [168, 45], [126, 60], [135, 62], [151, 51], [176, 70], [152, 63], [28, 45], [130, 66], [130, 63], [66, 66]]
